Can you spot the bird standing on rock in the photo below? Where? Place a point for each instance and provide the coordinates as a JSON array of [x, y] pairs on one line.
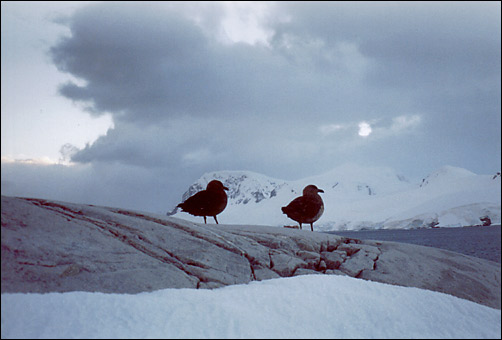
[[209, 202], [307, 208]]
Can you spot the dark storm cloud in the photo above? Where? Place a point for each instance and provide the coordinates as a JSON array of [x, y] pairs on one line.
[[132, 58], [147, 62], [179, 94], [441, 60], [152, 145], [138, 61], [419, 48]]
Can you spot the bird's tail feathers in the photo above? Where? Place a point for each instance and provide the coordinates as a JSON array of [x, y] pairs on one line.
[[175, 210]]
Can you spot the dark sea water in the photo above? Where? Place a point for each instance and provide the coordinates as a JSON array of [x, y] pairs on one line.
[[483, 242]]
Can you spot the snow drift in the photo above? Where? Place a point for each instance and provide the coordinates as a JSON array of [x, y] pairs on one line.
[[304, 307]]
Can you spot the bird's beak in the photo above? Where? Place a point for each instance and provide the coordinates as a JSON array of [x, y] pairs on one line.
[[224, 187], [320, 190]]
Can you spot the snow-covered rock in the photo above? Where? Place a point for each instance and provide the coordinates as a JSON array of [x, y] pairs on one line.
[[50, 246], [360, 198]]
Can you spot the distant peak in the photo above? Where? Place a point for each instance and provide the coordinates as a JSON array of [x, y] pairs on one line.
[[446, 172]]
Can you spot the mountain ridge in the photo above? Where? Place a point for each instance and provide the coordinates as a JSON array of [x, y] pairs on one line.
[[359, 198]]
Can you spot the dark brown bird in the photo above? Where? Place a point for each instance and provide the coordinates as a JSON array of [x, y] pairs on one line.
[[307, 208], [209, 202]]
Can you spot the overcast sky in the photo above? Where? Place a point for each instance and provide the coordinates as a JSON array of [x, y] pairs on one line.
[[128, 103]]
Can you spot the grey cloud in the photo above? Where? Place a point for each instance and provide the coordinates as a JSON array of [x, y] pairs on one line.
[[177, 93], [441, 60], [67, 151], [207, 144], [132, 58], [146, 63], [109, 184], [412, 43], [145, 145]]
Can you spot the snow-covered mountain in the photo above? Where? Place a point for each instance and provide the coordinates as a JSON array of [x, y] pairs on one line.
[[446, 174], [357, 198]]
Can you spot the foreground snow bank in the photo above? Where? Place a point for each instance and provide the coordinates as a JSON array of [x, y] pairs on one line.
[[311, 306]]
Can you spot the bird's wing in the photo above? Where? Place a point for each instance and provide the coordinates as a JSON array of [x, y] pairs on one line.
[[197, 202], [303, 206]]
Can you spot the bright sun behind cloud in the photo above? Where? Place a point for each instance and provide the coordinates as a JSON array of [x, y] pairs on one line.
[[364, 129]]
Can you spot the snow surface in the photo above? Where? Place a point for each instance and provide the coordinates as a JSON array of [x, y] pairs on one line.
[[362, 198], [310, 306]]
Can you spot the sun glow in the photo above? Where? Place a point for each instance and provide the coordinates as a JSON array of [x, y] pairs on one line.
[[364, 129]]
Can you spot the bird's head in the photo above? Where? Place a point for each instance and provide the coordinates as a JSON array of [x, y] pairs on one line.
[[216, 185], [311, 189]]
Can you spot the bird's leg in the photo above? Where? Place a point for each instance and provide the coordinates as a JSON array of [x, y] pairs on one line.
[[300, 225], [215, 219], [205, 222], [312, 226]]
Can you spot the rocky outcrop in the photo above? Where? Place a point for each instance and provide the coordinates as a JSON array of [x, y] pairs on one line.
[[50, 246]]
